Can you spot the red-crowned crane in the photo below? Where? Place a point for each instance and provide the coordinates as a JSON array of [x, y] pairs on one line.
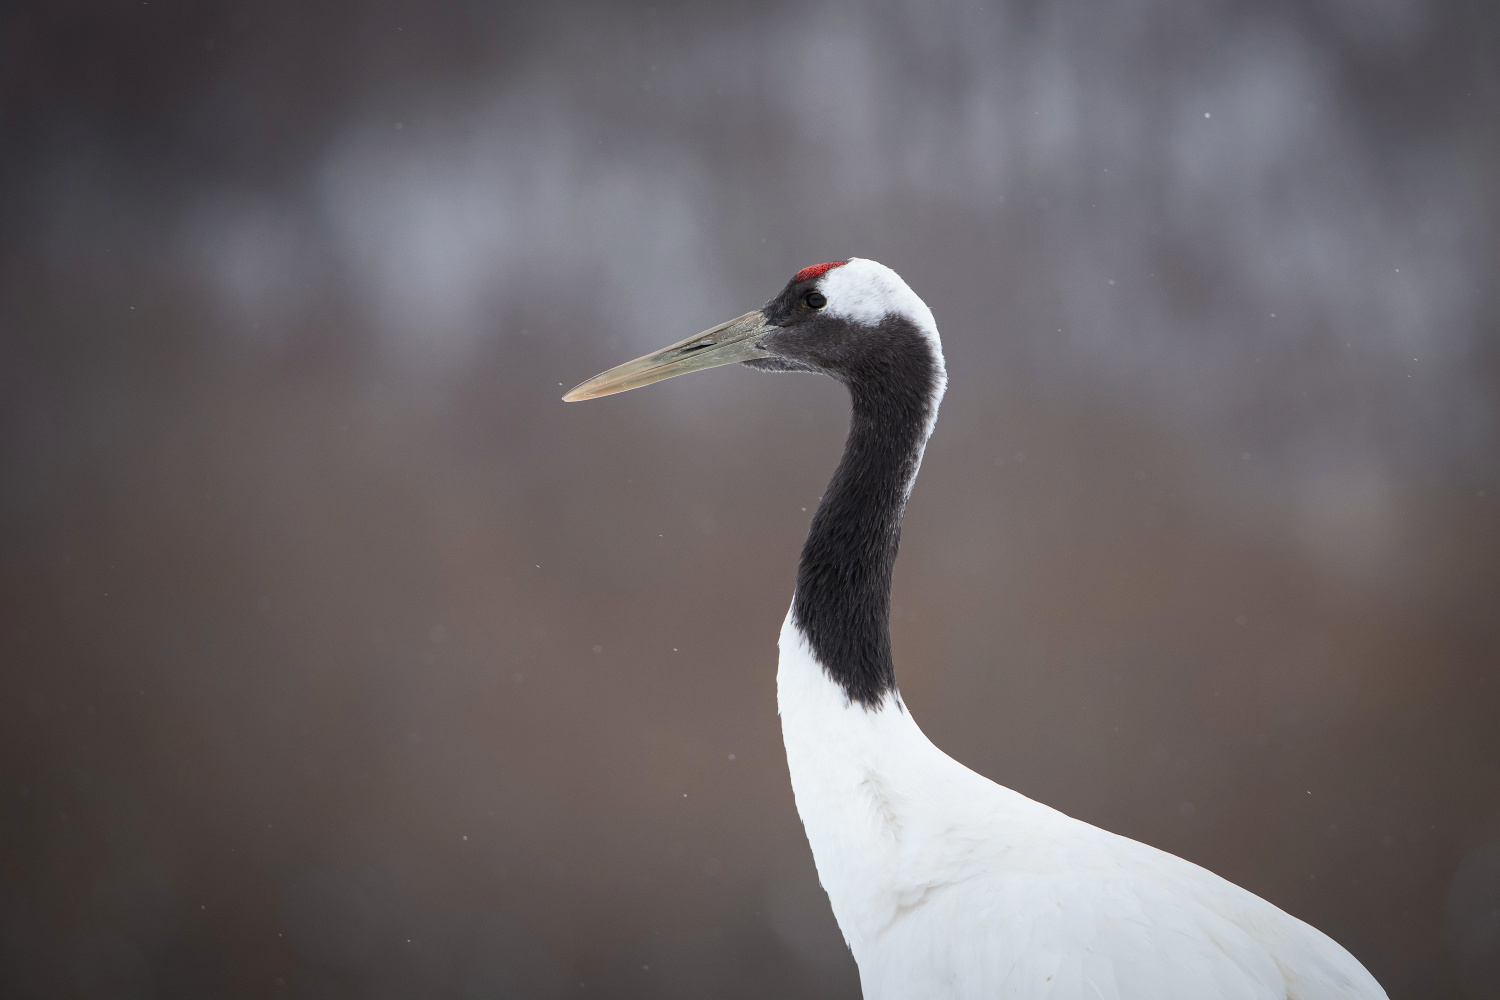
[[945, 884]]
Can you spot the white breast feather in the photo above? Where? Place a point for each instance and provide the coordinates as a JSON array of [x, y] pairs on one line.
[[947, 885]]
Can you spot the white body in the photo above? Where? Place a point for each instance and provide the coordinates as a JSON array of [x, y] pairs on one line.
[[947, 885]]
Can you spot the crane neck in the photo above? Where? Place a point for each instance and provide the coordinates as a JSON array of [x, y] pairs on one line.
[[843, 598]]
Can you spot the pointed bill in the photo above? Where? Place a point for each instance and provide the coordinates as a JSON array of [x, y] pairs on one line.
[[726, 344]]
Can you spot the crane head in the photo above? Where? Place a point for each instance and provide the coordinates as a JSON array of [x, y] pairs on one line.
[[843, 318]]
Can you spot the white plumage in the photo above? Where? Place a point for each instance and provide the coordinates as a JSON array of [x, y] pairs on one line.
[[947, 885]]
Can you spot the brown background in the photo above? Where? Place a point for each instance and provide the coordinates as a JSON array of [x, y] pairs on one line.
[[338, 658]]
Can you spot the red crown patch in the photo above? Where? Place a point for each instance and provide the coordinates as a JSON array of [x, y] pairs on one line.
[[818, 270]]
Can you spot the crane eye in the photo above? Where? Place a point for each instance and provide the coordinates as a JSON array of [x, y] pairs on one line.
[[815, 300]]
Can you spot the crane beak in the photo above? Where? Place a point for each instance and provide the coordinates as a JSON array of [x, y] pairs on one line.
[[725, 344]]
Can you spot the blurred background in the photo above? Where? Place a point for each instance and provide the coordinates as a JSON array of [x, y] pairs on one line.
[[338, 658]]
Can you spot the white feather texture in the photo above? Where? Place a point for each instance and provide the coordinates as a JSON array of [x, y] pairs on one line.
[[947, 885], [866, 292]]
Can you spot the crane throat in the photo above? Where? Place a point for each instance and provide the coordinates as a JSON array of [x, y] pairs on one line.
[[843, 599]]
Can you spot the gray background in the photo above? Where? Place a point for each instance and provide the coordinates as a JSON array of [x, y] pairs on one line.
[[338, 658]]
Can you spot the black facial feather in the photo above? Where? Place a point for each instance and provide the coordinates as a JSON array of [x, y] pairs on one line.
[[843, 597], [791, 303]]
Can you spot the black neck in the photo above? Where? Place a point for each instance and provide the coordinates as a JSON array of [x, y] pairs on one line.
[[843, 599]]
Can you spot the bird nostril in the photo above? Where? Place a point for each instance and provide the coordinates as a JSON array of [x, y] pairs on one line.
[[697, 347]]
